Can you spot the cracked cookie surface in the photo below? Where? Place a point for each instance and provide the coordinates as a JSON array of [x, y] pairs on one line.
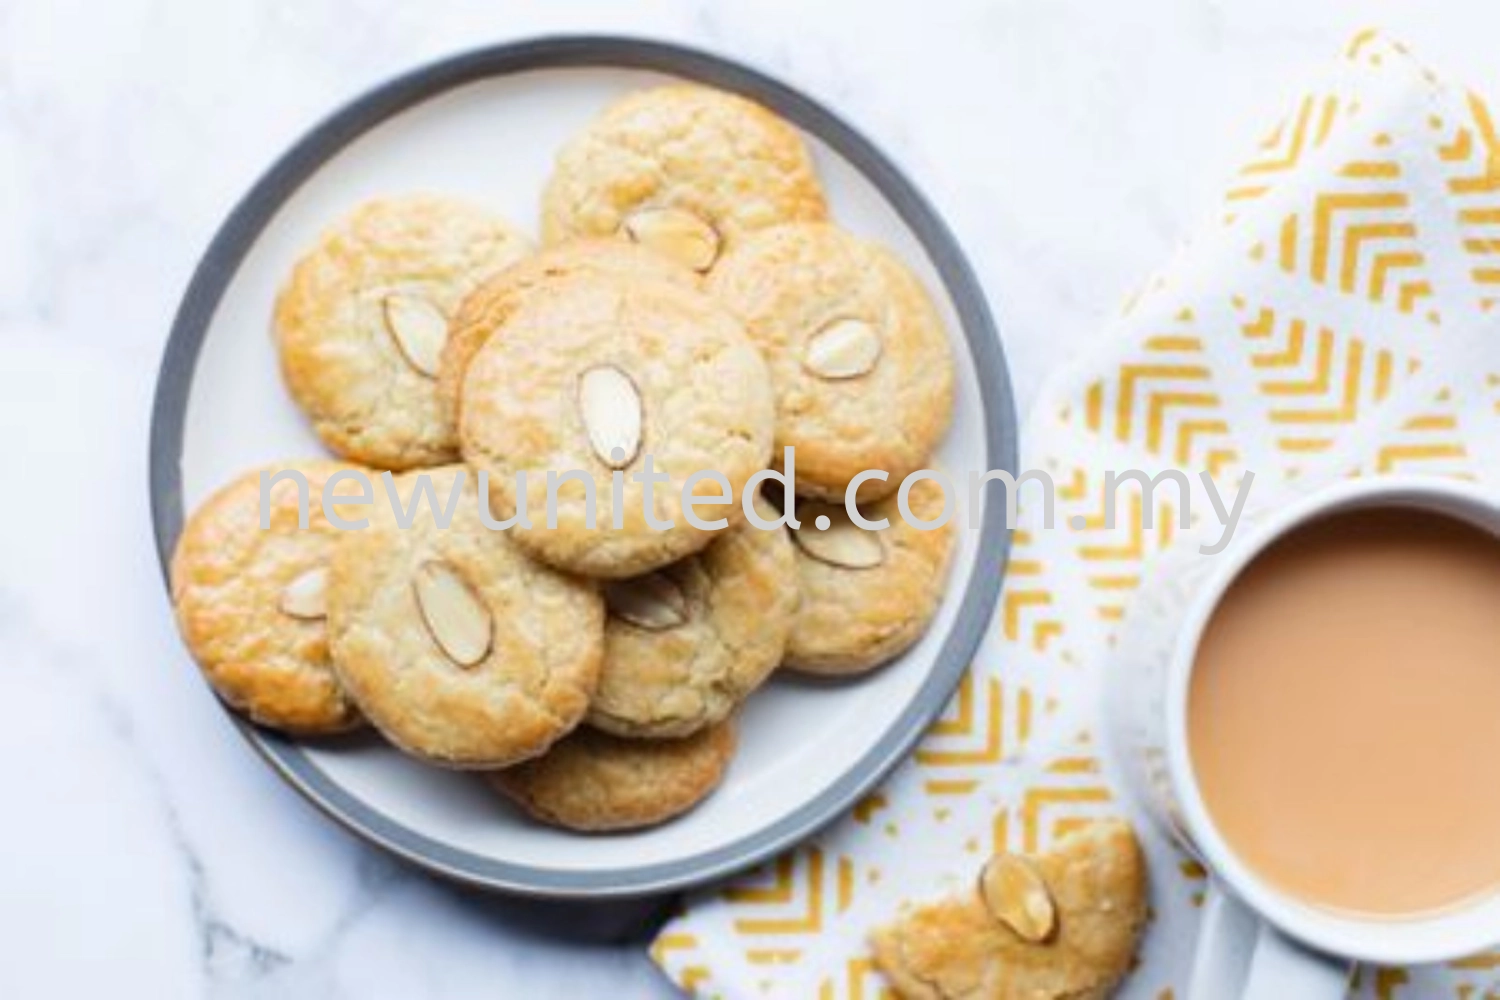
[[361, 321], [709, 166], [458, 647], [485, 310], [249, 601], [858, 613], [597, 782], [859, 355], [684, 646], [676, 381], [955, 949]]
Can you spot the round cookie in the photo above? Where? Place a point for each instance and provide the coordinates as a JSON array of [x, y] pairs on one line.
[[686, 169], [686, 644], [858, 354], [596, 375], [250, 601], [866, 595], [597, 782], [457, 646], [363, 317], [1096, 881], [489, 306]]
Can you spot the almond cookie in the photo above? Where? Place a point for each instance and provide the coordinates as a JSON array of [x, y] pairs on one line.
[[1089, 893], [685, 169], [489, 306], [594, 376], [686, 644], [250, 601], [363, 318], [594, 781], [866, 595], [457, 646], [859, 356]]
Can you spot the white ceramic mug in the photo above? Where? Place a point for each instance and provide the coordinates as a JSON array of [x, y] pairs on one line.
[[1257, 943]]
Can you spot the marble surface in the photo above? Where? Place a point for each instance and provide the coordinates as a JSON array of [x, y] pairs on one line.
[[145, 850]]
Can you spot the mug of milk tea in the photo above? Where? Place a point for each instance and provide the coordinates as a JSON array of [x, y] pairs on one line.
[[1315, 714]]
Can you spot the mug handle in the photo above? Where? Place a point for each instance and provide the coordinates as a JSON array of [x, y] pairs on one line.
[[1241, 956]]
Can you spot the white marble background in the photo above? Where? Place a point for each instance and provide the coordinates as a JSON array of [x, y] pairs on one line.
[[144, 851]]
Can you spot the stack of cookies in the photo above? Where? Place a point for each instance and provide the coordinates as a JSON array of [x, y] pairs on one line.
[[691, 315]]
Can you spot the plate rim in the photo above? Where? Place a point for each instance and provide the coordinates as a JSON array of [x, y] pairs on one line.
[[275, 186]]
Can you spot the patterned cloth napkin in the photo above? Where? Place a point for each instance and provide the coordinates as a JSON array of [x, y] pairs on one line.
[[1338, 319]]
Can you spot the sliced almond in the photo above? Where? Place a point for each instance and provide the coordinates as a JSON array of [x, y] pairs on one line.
[[459, 622], [653, 602], [845, 348], [842, 543], [419, 329], [610, 406], [306, 596], [677, 234], [1016, 895]]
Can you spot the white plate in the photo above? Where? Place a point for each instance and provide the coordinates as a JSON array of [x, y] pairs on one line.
[[487, 125]]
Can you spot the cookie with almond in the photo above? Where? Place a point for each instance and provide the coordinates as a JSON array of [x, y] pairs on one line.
[[866, 595], [487, 309], [457, 646], [251, 601], [363, 318], [684, 645], [1061, 925], [684, 169], [858, 352], [594, 377]]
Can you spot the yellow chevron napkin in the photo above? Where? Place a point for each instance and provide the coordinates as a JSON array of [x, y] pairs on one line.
[[1338, 319]]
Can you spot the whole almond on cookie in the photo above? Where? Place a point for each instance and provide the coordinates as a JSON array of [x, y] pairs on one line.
[[842, 543], [306, 596], [419, 329], [610, 406], [459, 622], [674, 233], [845, 348], [653, 602], [1017, 896]]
